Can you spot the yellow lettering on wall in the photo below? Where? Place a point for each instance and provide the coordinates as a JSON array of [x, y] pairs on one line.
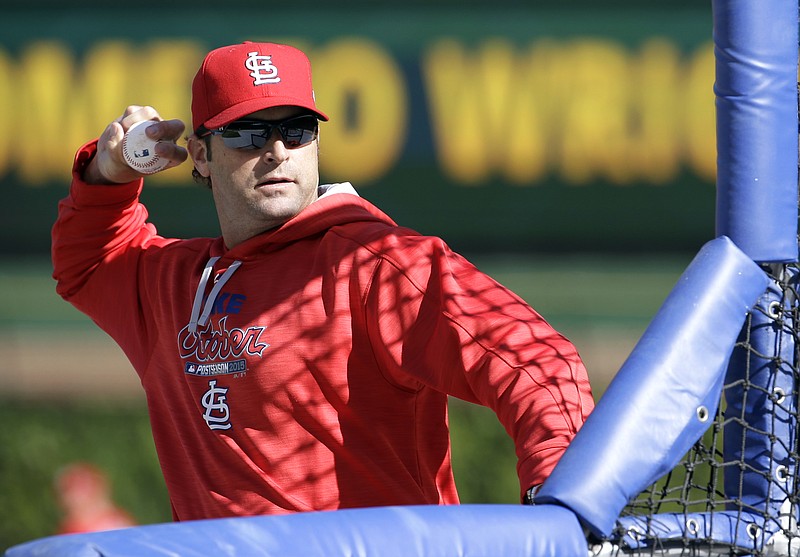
[[698, 115], [581, 110], [360, 88], [168, 68], [655, 124], [47, 102], [594, 138], [466, 100], [526, 139], [105, 83], [157, 74], [8, 108], [114, 74], [584, 110]]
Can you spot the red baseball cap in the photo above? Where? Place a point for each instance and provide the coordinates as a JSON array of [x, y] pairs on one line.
[[237, 80]]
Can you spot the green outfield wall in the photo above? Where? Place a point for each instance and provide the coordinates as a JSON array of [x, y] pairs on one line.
[[553, 126]]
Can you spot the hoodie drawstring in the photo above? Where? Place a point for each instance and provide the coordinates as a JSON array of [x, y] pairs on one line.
[[201, 319]]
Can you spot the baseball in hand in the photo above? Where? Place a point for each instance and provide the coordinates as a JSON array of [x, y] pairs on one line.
[[139, 150]]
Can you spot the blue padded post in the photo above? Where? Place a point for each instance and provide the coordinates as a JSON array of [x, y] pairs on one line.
[[756, 98], [430, 531], [761, 382], [649, 416]]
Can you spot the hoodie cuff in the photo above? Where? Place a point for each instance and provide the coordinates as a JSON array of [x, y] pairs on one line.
[[99, 194]]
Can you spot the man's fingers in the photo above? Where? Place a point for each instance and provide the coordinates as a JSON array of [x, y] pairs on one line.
[[169, 130], [171, 151]]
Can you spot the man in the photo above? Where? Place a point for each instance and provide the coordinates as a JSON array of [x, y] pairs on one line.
[[302, 361], [84, 494]]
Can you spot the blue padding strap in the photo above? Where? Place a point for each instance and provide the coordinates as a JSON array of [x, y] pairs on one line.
[[664, 396], [741, 529], [756, 88], [475, 530]]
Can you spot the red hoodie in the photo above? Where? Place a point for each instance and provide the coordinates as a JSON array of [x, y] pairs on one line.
[[308, 368]]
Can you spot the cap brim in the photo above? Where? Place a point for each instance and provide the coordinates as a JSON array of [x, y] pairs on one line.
[[254, 105]]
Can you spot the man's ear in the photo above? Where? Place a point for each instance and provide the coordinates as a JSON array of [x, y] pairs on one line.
[[199, 151]]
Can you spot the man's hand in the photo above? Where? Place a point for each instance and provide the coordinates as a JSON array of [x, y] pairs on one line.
[[109, 167]]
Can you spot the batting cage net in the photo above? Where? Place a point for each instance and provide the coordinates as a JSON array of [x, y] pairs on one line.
[[735, 492]]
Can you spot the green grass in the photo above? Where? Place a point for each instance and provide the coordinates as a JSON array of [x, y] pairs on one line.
[[575, 290], [28, 297]]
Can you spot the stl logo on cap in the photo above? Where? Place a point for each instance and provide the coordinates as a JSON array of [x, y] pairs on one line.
[[261, 69]]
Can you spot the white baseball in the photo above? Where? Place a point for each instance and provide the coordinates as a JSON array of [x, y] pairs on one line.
[[139, 150]]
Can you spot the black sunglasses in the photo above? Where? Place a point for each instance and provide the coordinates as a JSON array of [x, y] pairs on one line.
[[254, 134]]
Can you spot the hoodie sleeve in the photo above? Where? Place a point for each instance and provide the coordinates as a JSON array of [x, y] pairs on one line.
[[438, 322], [94, 252]]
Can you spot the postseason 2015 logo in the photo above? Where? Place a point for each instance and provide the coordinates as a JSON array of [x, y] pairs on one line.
[[218, 368]]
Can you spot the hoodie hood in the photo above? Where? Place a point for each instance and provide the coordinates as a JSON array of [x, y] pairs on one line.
[[336, 205]]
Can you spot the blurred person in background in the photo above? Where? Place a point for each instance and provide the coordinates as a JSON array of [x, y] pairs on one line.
[[302, 360], [84, 494]]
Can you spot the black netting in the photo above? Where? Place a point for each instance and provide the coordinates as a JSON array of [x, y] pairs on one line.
[[735, 492]]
